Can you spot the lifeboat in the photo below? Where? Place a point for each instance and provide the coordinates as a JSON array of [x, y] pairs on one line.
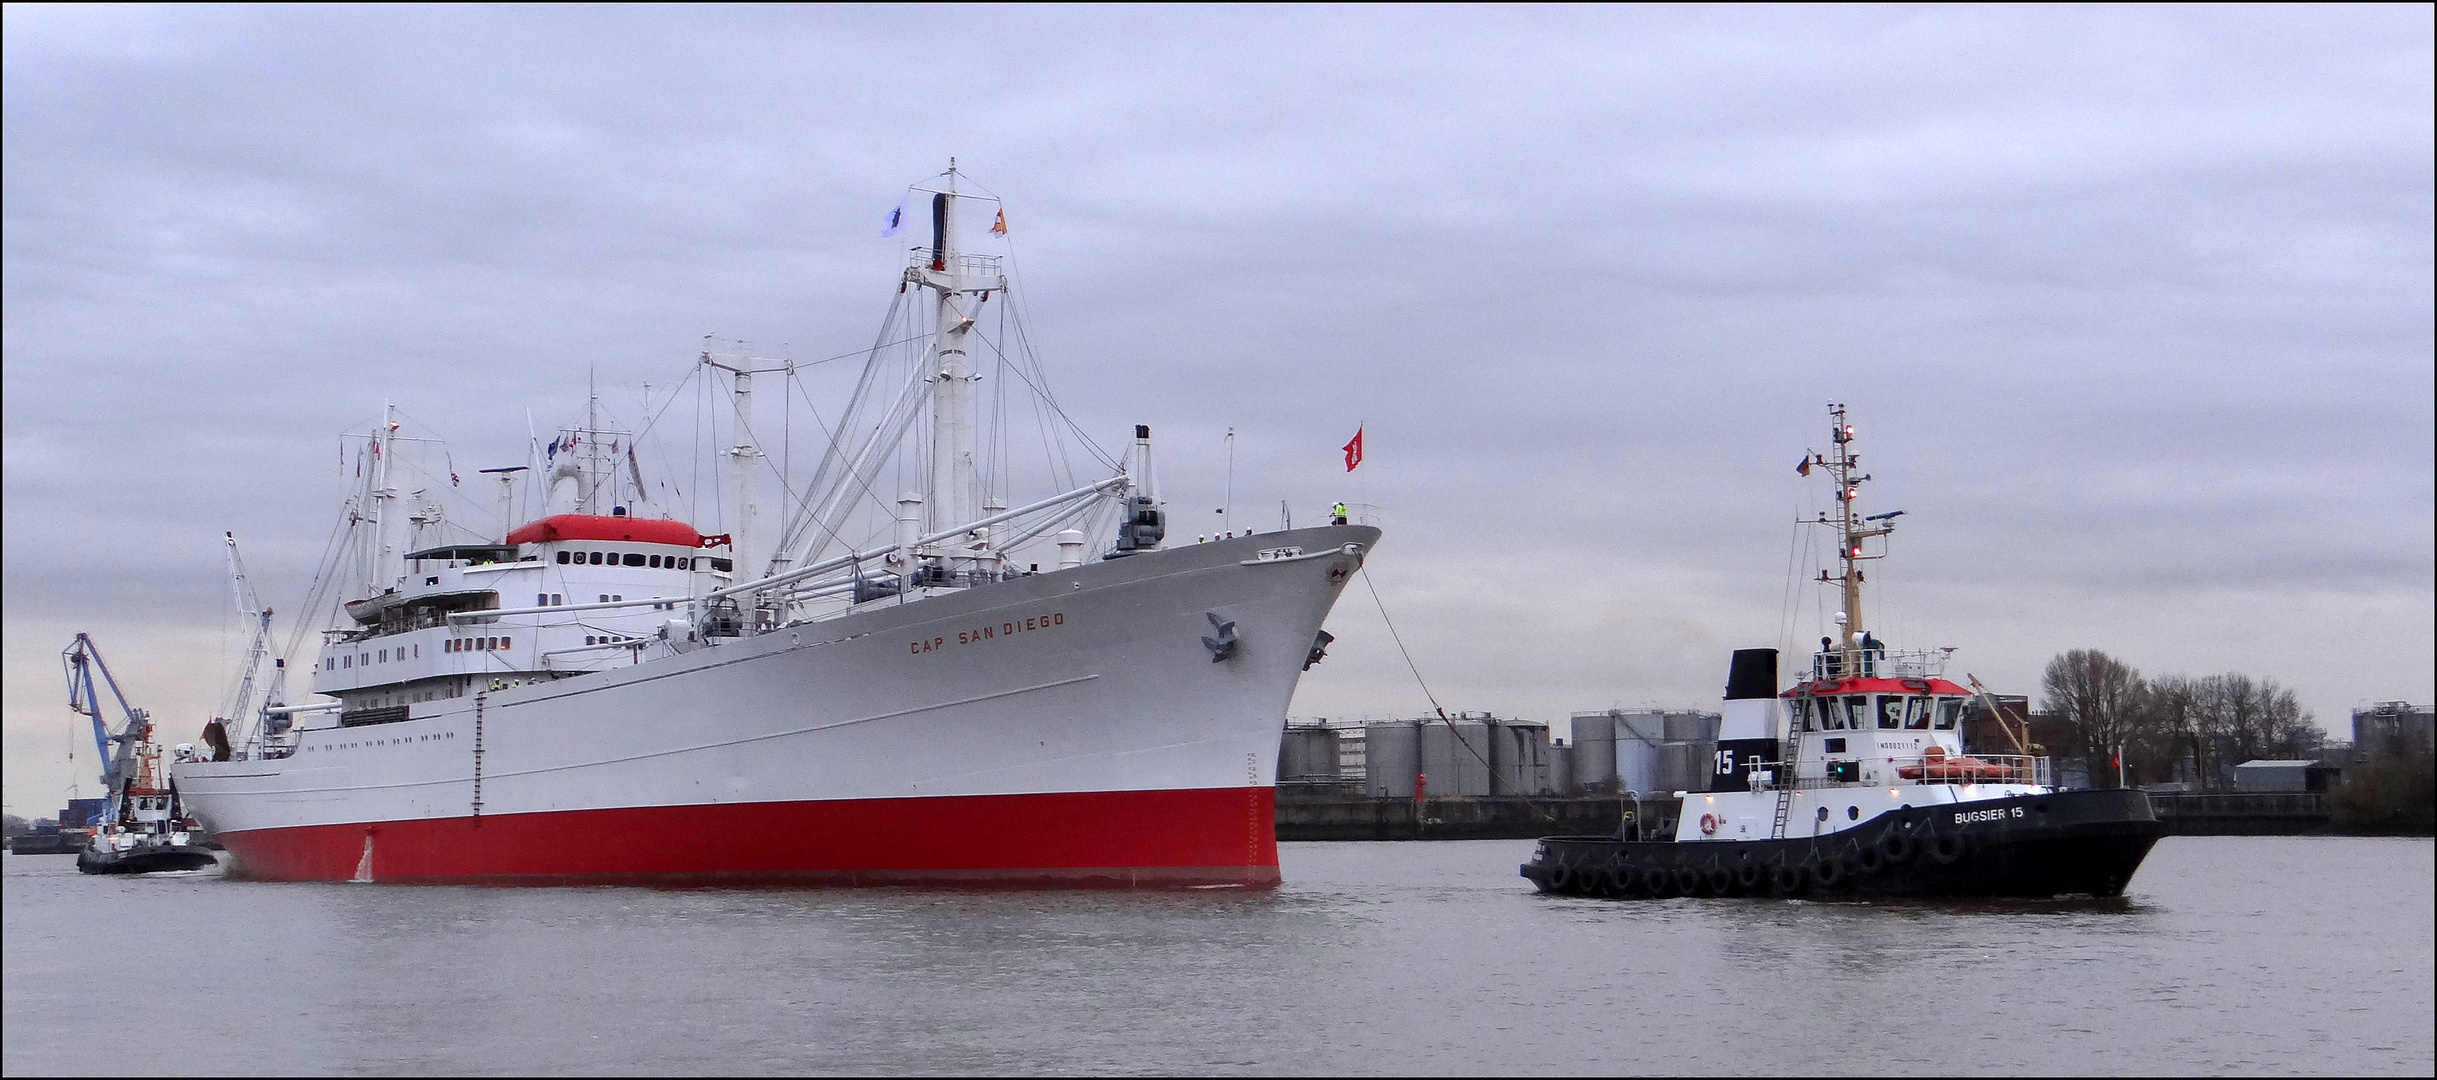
[[1936, 765]]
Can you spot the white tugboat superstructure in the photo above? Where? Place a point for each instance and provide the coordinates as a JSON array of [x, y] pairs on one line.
[[603, 696], [1856, 779]]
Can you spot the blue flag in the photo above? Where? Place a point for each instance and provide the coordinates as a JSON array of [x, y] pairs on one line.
[[895, 220]]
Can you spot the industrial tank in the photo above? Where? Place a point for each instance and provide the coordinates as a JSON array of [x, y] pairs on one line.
[[1308, 755]]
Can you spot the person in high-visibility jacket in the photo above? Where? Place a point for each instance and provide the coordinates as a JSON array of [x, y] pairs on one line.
[[1337, 514]]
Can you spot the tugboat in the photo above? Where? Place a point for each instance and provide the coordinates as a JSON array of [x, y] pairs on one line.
[[145, 829], [1855, 782]]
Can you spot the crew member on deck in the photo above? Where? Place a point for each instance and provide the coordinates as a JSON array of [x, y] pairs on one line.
[[1337, 514]]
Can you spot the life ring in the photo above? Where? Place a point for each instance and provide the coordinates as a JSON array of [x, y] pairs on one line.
[[1947, 847], [1895, 848], [1710, 823]]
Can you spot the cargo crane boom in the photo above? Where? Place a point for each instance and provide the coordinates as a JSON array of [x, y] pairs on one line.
[[242, 714], [120, 762]]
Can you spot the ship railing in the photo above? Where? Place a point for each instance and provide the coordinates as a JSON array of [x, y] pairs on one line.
[[1812, 773], [963, 263], [1880, 663]]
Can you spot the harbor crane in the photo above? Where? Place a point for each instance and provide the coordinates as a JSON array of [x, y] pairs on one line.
[[121, 750]]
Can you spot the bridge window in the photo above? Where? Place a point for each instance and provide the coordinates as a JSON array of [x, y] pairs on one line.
[[1857, 711], [1950, 713], [1916, 713], [1890, 712], [634, 559]]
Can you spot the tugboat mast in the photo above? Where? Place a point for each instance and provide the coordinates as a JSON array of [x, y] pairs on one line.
[[1844, 466]]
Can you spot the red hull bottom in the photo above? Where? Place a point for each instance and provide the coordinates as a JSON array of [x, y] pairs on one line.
[[1106, 839]]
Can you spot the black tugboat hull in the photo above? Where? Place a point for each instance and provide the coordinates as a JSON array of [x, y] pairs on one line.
[[2065, 843], [143, 860]]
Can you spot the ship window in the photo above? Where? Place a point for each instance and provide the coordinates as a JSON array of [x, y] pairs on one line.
[[1857, 711], [562, 558], [541, 599], [506, 642], [651, 560], [633, 559], [594, 558], [418, 650], [1950, 712], [1916, 713], [1891, 712]]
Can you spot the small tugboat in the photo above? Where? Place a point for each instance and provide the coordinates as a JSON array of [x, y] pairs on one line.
[[144, 830], [1873, 792]]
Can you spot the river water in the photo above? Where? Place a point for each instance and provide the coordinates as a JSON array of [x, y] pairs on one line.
[[2229, 954]]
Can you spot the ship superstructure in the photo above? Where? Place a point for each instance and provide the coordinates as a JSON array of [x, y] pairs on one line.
[[874, 685]]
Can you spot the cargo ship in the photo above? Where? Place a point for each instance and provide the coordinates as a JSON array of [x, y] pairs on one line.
[[1855, 780], [599, 695]]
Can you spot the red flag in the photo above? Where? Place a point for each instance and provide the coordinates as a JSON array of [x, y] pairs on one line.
[[1353, 451], [999, 227]]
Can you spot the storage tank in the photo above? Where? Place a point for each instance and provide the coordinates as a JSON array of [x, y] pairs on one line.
[[1595, 748], [1561, 769], [1692, 727], [1641, 738], [1686, 766], [1454, 756], [1308, 755], [1520, 757], [1391, 755]]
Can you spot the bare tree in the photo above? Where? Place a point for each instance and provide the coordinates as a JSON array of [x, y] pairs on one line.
[[2172, 746], [2103, 697]]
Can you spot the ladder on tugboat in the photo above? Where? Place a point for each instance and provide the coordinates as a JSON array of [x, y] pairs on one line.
[[1785, 807]]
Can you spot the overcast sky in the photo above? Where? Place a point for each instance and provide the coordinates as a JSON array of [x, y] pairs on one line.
[[2132, 305]]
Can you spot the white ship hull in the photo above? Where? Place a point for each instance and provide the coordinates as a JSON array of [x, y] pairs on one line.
[[1065, 726]]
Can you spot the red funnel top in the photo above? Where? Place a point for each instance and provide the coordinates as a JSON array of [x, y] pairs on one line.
[[595, 527]]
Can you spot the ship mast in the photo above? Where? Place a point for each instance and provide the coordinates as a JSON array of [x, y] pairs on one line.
[[959, 287], [1844, 467]]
